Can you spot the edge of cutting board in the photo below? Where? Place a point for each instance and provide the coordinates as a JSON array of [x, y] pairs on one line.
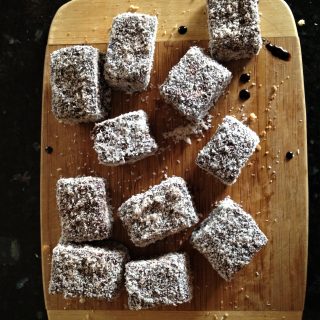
[[83, 28], [180, 315]]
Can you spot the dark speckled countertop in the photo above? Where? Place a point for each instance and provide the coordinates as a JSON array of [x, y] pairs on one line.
[[24, 27]]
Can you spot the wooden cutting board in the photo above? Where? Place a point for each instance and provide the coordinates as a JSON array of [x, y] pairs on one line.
[[272, 189]]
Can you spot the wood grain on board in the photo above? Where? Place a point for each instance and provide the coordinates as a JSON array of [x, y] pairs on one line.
[[272, 189]]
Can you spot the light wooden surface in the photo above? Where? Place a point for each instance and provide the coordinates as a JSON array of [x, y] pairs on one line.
[[273, 285]]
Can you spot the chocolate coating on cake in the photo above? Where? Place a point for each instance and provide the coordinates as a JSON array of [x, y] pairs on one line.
[[195, 84], [162, 281], [88, 271], [84, 208], [79, 94], [129, 57], [234, 30], [124, 139], [104, 89], [228, 150], [228, 238], [163, 210]]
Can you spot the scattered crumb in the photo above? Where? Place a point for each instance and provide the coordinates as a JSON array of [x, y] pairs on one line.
[[263, 133], [301, 22], [252, 117], [133, 8], [268, 127], [187, 140], [182, 133]]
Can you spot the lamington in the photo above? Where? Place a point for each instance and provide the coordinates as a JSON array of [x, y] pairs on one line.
[[84, 209], [228, 238], [163, 210], [79, 91], [234, 30], [228, 150], [79, 271], [195, 84], [124, 139], [129, 57], [157, 282]]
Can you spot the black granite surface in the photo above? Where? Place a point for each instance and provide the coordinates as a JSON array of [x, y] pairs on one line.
[[24, 28]]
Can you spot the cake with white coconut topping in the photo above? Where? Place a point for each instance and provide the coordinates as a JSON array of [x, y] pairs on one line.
[[130, 52], [163, 210], [195, 84], [84, 209], [164, 281], [234, 29], [228, 238], [79, 92], [83, 271], [228, 150], [124, 139]]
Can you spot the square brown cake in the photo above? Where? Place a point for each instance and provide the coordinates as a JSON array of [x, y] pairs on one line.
[[228, 150], [87, 271], [84, 207], [228, 238], [163, 210], [129, 57], [162, 281], [234, 29], [195, 84], [79, 93], [124, 139]]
